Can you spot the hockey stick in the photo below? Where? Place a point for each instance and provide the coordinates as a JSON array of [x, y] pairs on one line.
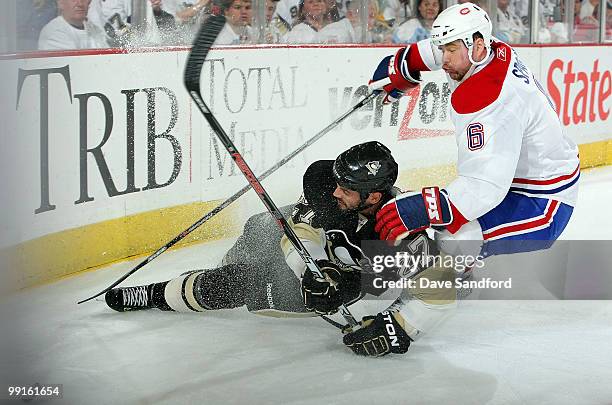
[[234, 197], [204, 40]]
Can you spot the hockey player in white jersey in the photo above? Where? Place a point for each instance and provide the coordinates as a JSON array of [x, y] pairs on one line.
[[517, 172]]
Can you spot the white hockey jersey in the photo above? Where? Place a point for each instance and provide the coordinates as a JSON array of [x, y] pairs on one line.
[[508, 134], [339, 32], [101, 11], [287, 10]]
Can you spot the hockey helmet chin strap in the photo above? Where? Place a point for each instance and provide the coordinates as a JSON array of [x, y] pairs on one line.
[[386, 196], [470, 49]]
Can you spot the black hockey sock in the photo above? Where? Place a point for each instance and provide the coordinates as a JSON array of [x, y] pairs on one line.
[[221, 288], [201, 290], [157, 296]]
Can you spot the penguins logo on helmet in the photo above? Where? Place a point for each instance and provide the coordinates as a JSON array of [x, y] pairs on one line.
[[373, 167]]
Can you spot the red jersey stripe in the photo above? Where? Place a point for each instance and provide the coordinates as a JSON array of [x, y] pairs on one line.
[[527, 225], [547, 182]]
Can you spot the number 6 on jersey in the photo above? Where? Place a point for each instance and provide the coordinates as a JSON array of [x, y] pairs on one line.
[[475, 134]]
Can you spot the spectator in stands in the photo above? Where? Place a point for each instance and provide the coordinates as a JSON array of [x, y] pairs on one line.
[[185, 11], [395, 12], [71, 30], [274, 28], [559, 29], [521, 9], [340, 29], [165, 22], [112, 17], [586, 28], [555, 25], [558, 33], [312, 17], [187, 16], [418, 28], [32, 16], [314, 25], [588, 12], [510, 28], [378, 29], [270, 9], [237, 29], [577, 6], [246, 16], [287, 12], [332, 11]]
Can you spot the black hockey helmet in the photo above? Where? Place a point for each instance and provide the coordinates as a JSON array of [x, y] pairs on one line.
[[366, 168]]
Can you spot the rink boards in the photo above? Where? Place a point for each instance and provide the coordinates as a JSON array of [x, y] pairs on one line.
[[109, 158]]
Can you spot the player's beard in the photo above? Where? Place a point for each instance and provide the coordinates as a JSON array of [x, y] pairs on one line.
[[360, 207]]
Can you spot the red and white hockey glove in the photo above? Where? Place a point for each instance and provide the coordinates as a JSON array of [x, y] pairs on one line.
[[393, 77], [413, 212]]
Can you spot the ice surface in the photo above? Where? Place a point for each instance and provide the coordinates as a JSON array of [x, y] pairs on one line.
[[497, 352]]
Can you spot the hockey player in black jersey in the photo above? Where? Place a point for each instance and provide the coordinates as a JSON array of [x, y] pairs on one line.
[[262, 270]]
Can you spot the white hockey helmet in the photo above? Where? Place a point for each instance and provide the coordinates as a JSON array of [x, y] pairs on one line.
[[462, 21]]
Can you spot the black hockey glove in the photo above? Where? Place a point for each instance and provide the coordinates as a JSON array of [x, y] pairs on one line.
[[377, 336], [322, 295]]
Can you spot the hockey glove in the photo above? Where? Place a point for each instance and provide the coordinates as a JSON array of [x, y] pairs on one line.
[[393, 77], [377, 336], [322, 295], [413, 212]]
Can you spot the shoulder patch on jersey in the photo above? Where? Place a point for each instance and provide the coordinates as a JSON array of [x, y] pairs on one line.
[[484, 87]]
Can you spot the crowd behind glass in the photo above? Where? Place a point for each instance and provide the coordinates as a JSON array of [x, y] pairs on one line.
[[82, 24]]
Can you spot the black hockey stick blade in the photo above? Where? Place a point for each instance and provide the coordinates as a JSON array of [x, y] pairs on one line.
[[206, 37]]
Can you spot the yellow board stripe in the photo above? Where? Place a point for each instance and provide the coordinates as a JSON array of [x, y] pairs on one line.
[[595, 154], [59, 254], [63, 253]]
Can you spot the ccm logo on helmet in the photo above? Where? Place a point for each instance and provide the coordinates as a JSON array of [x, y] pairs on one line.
[[464, 11], [390, 328], [432, 203]]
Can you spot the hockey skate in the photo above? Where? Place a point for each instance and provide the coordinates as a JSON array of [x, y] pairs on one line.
[[129, 298]]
